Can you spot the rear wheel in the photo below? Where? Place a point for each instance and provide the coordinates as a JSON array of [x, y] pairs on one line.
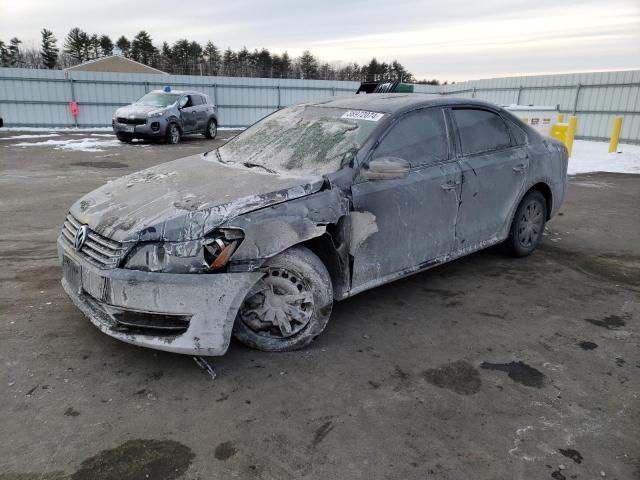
[[173, 134], [124, 137], [528, 225], [212, 129], [289, 306]]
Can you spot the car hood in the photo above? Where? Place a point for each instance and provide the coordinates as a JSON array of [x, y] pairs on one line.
[[137, 110], [183, 199]]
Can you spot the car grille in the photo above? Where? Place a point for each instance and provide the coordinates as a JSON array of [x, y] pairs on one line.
[[132, 121], [97, 250]]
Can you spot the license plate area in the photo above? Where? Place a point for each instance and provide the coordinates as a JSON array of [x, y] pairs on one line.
[[72, 272], [129, 128]]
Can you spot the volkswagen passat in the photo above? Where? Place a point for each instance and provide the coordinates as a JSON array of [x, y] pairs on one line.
[[313, 204]]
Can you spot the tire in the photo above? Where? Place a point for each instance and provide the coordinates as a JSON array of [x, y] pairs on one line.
[[299, 276], [527, 226], [174, 134], [212, 129], [124, 138]]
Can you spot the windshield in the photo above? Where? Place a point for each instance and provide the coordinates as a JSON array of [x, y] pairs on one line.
[[158, 99], [301, 140]]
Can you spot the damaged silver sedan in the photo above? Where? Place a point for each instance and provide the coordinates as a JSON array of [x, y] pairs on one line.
[[312, 204]]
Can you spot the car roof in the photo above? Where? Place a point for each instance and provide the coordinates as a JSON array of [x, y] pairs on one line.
[[179, 92], [394, 102]]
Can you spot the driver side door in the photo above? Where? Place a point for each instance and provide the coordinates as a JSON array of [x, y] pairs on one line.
[[415, 216], [188, 114]]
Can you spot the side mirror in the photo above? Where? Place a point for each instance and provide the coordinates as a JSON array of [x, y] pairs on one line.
[[387, 168]]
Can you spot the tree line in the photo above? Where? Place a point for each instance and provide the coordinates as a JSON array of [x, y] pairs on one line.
[[186, 57]]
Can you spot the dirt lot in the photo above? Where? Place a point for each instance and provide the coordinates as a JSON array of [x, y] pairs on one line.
[[486, 368]]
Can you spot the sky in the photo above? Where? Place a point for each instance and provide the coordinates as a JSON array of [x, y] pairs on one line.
[[454, 40]]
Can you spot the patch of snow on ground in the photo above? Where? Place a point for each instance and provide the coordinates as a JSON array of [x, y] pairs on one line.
[[31, 136], [80, 144], [594, 157]]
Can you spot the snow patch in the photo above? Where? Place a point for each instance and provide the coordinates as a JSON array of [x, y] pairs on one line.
[[31, 136], [80, 144], [594, 157]]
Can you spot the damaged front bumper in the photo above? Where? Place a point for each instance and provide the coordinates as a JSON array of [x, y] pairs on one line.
[[181, 313]]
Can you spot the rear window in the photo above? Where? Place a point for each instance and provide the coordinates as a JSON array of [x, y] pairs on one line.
[[481, 131]]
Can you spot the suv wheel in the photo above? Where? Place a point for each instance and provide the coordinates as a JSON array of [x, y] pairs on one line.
[[528, 225], [212, 129], [289, 306], [173, 134]]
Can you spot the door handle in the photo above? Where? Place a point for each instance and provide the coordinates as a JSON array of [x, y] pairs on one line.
[[520, 168], [449, 185]]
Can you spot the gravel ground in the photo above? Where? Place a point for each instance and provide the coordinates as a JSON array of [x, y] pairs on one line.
[[485, 368]]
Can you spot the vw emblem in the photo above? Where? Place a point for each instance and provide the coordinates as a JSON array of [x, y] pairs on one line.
[[81, 237]]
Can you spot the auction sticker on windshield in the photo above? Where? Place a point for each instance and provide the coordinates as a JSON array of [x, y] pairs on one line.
[[363, 115]]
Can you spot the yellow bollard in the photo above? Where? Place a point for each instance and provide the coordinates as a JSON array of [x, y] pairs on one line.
[[559, 132], [571, 133], [615, 134]]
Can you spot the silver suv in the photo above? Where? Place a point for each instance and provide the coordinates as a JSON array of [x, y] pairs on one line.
[[166, 114]]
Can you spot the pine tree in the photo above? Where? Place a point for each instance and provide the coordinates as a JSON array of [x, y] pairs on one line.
[[124, 45], [229, 62], [106, 46], [142, 49], [13, 52], [285, 65], [4, 55], [76, 44], [213, 58], [308, 65], [49, 50]]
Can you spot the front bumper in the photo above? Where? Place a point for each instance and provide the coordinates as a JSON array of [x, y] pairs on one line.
[[206, 304], [144, 130]]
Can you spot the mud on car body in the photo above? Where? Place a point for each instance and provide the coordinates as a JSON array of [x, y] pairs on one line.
[[166, 115], [313, 204]]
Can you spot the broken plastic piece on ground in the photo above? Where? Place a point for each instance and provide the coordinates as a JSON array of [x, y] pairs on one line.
[[203, 364]]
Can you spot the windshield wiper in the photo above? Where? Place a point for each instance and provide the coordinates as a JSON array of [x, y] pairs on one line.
[[256, 165]]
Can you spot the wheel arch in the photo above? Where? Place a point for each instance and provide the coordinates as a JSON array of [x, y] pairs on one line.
[[546, 192]]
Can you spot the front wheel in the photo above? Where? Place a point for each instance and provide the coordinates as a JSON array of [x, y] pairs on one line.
[[173, 134], [212, 130], [528, 225], [289, 306]]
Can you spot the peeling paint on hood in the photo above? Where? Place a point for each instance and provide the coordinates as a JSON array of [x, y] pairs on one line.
[[183, 199]]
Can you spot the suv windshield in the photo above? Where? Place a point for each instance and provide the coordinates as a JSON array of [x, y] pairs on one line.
[[301, 140], [158, 99]]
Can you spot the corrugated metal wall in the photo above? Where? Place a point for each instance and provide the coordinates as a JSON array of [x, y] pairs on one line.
[[595, 98], [41, 97]]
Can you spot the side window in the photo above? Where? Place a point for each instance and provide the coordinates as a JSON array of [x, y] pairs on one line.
[[196, 100], [184, 102], [518, 134], [203, 99], [419, 137], [480, 131]]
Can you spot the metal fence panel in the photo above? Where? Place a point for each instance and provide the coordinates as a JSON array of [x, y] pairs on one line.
[[41, 97], [595, 98]]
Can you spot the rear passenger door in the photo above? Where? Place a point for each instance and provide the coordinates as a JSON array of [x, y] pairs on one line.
[[493, 172], [414, 216]]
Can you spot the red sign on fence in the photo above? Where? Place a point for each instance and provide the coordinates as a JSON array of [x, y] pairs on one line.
[[75, 110]]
